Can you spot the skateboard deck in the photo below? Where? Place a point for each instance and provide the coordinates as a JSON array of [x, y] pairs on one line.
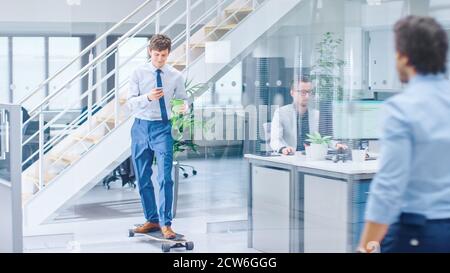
[[179, 241], [157, 236]]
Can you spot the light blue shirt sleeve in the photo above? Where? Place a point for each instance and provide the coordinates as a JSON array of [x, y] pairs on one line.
[[136, 100], [389, 185]]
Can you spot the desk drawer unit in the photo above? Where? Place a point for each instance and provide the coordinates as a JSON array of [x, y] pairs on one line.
[[270, 209], [360, 193]]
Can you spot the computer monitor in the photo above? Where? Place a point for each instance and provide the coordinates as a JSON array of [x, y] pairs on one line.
[[357, 119]]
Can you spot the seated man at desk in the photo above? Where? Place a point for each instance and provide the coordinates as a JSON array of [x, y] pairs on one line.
[[292, 122]]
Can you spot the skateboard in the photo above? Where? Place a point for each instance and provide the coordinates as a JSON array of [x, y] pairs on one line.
[[179, 241]]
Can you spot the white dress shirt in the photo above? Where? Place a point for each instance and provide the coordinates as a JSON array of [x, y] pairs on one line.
[[283, 131], [143, 80]]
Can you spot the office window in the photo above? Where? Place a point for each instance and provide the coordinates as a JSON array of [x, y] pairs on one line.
[[61, 51], [126, 51], [28, 68], [4, 70]]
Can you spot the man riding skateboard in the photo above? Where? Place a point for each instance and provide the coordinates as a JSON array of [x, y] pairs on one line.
[[151, 88]]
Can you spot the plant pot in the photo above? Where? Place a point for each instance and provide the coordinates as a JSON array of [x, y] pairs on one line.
[[317, 151], [177, 104]]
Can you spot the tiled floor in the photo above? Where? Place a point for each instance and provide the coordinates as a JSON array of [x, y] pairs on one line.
[[212, 212]]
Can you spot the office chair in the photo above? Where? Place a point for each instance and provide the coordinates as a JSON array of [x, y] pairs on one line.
[[266, 141], [184, 167], [125, 172]]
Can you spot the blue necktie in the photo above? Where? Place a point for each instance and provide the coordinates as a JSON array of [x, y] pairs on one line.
[[162, 104]]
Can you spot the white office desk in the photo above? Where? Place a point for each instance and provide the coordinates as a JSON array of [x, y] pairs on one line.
[[347, 168], [298, 205]]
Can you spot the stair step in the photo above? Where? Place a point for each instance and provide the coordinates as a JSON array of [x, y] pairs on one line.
[[238, 11], [173, 63], [93, 139], [106, 119], [178, 65], [220, 28], [35, 178], [64, 158], [197, 45]]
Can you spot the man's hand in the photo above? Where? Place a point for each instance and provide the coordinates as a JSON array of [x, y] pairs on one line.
[[372, 234], [155, 94], [287, 150], [182, 109]]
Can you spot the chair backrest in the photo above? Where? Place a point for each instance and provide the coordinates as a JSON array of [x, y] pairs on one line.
[[266, 128]]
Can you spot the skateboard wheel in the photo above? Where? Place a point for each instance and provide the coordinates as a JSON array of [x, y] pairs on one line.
[[130, 233], [189, 245], [165, 247], [185, 175], [194, 172]]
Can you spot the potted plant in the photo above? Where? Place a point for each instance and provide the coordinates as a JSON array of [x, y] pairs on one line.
[[183, 124], [327, 78], [318, 148]]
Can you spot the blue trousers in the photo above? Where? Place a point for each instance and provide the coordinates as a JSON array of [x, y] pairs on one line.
[[414, 233], [149, 139]]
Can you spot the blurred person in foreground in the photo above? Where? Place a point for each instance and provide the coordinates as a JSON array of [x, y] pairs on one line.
[[408, 209]]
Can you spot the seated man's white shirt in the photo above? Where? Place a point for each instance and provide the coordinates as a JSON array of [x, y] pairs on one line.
[[283, 131]]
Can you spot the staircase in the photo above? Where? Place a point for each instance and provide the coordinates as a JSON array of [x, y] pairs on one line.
[[94, 143]]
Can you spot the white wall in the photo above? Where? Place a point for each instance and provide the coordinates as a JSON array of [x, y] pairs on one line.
[[388, 13], [60, 11], [353, 49], [440, 9], [375, 16], [29, 17], [91, 16], [289, 37]]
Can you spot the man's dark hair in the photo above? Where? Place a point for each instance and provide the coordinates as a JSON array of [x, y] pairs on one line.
[[160, 42], [302, 78], [424, 42]]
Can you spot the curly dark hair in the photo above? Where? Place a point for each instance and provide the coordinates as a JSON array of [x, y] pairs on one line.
[[424, 41], [160, 42]]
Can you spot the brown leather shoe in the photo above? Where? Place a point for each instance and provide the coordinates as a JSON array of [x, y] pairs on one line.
[[168, 233], [147, 227]]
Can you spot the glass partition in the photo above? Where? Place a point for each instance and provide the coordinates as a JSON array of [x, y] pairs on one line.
[[344, 51], [5, 135]]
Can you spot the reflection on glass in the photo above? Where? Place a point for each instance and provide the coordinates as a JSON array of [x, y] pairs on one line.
[[28, 68], [61, 51], [326, 41], [228, 90], [345, 47]]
